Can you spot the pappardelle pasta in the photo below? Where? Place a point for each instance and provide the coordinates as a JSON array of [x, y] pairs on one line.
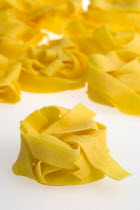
[[100, 46], [60, 146]]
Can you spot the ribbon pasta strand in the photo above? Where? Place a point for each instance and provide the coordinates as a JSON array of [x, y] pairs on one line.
[[98, 46], [65, 147], [9, 74], [112, 91], [53, 68], [114, 76]]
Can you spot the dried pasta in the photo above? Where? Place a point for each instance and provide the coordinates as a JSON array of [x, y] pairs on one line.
[[108, 34], [65, 147], [56, 67]]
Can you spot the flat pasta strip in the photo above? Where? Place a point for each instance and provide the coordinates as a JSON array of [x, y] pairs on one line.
[[99, 41], [56, 67], [9, 74], [108, 33], [119, 15], [113, 72], [119, 5], [65, 147], [98, 157], [16, 35], [103, 40], [55, 15], [119, 88]]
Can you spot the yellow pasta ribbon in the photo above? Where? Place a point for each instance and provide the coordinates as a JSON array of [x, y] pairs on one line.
[[22, 6], [119, 14], [65, 147], [103, 40], [124, 19], [13, 27], [26, 6], [56, 67], [55, 15], [9, 74], [114, 76], [62, 64], [119, 5], [16, 35], [114, 79]]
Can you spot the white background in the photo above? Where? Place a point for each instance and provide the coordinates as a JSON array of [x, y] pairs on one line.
[[123, 138]]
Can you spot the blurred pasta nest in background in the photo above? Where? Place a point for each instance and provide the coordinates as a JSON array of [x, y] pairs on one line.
[[99, 45]]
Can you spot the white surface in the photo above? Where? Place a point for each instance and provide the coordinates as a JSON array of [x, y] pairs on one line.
[[123, 138]]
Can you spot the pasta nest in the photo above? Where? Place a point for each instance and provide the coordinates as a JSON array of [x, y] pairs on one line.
[[65, 147]]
